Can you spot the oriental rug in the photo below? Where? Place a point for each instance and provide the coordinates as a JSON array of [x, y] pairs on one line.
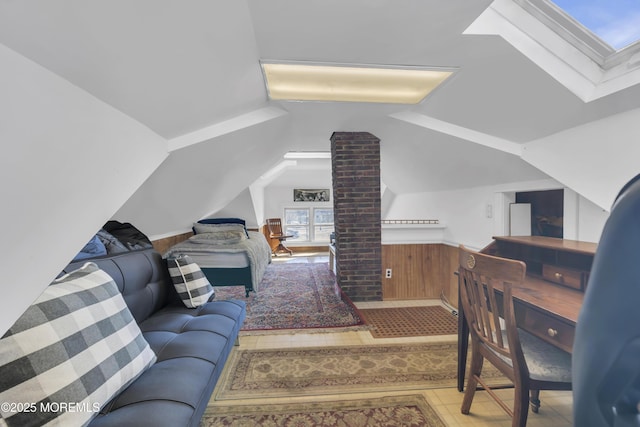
[[390, 411], [410, 321], [296, 296], [258, 374]]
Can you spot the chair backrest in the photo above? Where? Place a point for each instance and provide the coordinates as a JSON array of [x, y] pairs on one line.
[[481, 275], [274, 225]]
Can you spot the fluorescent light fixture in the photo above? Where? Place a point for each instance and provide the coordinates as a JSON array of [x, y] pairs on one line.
[[308, 82], [307, 155]]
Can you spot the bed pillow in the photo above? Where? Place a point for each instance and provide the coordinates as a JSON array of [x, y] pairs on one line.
[[225, 221], [226, 237], [215, 228], [191, 284], [77, 343]]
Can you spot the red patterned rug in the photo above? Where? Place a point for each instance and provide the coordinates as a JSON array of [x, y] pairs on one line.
[[295, 296], [409, 410]]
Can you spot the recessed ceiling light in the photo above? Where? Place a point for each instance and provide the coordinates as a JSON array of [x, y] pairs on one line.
[[309, 82], [307, 155]]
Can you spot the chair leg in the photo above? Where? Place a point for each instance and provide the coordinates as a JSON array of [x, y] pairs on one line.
[[472, 383], [520, 407], [282, 248], [535, 400]]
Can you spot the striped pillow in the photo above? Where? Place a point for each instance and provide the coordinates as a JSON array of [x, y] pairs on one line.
[[190, 282], [74, 349]]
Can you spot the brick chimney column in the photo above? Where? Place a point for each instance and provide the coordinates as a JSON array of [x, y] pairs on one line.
[[355, 158]]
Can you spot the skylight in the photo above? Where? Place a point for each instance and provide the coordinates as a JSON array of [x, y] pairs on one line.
[[617, 22]]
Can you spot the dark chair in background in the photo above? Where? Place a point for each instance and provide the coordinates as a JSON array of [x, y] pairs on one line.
[[274, 226], [606, 349], [530, 363]]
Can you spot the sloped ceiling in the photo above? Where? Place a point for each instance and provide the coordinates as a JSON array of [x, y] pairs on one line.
[[183, 68]]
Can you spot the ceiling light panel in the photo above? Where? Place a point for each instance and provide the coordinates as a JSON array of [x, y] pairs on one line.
[[307, 155], [305, 82]]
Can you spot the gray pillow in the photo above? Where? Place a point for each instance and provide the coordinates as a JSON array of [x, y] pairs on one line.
[[79, 343], [214, 228], [191, 284]]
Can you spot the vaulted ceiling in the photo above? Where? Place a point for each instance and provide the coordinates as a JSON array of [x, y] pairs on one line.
[[190, 71]]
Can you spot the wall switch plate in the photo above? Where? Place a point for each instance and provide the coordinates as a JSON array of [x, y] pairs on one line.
[[387, 274]]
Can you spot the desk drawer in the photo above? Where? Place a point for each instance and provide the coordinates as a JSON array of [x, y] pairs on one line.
[[548, 328], [564, 276]]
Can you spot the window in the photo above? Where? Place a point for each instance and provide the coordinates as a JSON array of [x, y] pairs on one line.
[[615, 22], [308, 224], [606, 32], [322, 224]]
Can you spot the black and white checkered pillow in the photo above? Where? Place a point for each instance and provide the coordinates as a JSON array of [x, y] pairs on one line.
[[190, 282], [71, 352]]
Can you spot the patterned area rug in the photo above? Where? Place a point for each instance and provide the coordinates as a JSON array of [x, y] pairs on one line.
[[257, 374], [411, 410], [295, 296], [410, 321]]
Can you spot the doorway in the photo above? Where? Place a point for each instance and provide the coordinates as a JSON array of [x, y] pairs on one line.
[[547, 211]]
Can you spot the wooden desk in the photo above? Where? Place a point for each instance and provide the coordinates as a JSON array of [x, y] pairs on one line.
[[548, 303]]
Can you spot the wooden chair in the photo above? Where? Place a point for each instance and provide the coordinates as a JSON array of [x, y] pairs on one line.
[[274, 226], [530, 363]]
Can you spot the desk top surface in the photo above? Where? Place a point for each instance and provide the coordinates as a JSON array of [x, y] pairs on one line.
[[588, 248], [560, 301]]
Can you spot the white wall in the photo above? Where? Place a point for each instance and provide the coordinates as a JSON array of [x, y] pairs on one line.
[[595, 159], [464, 212], [591, 220], [200, 179], [69, 162], [240, 207]]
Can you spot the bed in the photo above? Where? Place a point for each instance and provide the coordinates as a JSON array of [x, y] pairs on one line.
[[227, 253]]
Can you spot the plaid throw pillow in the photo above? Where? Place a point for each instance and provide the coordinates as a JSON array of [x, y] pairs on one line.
[[190, 282], [74, 349]]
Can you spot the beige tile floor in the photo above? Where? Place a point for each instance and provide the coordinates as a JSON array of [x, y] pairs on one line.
[[556, 409]]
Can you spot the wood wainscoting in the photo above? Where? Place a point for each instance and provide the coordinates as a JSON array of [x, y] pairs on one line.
[[163, 245], [420, 271]]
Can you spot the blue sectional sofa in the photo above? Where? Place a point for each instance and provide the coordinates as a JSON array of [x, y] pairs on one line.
[[191, 345]]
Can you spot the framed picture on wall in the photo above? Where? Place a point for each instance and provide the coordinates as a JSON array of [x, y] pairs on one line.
[[300, 195]]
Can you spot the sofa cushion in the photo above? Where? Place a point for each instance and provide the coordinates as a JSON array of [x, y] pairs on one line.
[[207, 332], [77, 343], [190, 282], [192, 346], [141, 277]]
